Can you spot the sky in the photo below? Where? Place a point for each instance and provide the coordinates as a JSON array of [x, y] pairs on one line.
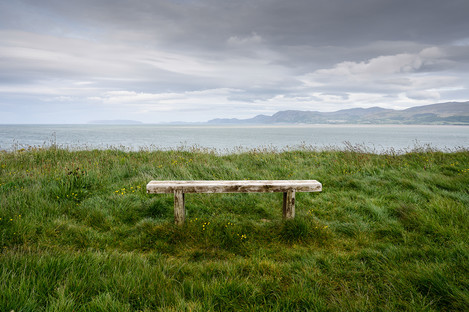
[[159, 61]]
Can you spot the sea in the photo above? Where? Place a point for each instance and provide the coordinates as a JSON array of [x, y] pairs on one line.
[[237, 138]]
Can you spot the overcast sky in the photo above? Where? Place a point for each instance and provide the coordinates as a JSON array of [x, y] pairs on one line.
[[194, 60]]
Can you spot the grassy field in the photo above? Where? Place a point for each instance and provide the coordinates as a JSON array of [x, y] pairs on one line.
[[389, 232]]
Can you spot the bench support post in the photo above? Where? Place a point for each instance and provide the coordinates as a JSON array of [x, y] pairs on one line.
[[289, 205], [179, 208]]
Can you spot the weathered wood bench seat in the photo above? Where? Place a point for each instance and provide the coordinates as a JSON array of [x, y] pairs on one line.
[[179, 188]]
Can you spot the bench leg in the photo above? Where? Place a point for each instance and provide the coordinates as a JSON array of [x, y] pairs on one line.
[[289, 205], [179, 209]]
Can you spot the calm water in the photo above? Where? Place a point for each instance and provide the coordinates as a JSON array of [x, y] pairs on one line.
[[378, 138]]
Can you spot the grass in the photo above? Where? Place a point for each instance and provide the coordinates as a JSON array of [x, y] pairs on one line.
[[389, 232]]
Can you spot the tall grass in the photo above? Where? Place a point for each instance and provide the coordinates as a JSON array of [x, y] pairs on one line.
[[79, 233]]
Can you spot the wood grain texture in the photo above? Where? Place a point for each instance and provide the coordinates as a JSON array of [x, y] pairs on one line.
[[241, 186], [179, 207], [289, 205]]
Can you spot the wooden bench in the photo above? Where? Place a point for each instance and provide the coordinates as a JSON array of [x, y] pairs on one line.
[[179, 188]]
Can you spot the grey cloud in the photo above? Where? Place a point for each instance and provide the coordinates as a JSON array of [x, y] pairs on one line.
[[423, 95], [262, 54], [305, 33], [299, 22], [459, 54], [209, 24]]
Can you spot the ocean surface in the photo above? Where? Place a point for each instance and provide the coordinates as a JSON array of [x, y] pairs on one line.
[[224, 139]]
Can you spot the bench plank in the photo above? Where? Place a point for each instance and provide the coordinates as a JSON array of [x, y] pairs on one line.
[[241, 186], [179, 188]]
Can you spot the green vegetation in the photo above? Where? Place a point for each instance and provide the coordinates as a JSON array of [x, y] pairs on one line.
[[78, 232], [451, 113]]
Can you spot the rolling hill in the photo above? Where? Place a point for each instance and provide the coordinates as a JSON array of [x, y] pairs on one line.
[[452, 113]]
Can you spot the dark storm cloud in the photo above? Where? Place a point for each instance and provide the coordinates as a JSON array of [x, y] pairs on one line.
[[300, 22], [218, 56]]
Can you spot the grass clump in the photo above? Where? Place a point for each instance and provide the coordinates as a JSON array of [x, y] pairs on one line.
[[79, 233]]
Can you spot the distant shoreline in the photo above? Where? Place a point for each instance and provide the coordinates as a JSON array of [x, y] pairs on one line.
[[248, 125], [451, 113]]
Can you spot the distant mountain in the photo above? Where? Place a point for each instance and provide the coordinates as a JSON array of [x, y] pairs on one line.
[[115, 122], [451, 113]]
